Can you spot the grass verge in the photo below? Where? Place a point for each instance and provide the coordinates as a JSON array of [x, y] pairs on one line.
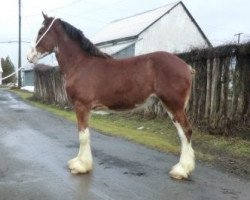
[[231, 154]]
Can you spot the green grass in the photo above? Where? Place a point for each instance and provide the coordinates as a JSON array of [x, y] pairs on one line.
[[159, 134]]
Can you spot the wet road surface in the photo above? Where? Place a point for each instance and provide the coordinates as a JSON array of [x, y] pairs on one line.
[[35, 146]]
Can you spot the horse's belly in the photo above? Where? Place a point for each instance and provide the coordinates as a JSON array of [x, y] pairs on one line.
[[118, 106], [125, 104]]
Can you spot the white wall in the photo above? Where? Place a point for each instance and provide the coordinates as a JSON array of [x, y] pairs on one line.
[[175, 32]]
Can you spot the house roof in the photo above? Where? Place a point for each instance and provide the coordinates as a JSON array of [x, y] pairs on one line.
[[131, 26]]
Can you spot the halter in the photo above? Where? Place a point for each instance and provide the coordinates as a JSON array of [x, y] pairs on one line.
[[45, 31]]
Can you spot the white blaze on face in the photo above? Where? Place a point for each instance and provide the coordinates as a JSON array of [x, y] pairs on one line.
[[33, 55]]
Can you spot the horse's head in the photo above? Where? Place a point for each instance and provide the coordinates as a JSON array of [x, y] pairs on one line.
[[45, 42]]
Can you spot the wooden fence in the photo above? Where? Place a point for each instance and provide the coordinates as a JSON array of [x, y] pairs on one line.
[[220, 98], [49, 85]]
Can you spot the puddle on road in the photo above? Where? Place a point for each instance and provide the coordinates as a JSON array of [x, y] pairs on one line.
[[20, 106], [8, 99]]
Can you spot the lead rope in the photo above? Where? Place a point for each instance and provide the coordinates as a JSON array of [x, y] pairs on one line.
[[35, 45], [12, 73]]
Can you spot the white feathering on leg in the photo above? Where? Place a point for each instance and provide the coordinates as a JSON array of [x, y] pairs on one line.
[[187, 157], [83, 162], [187, 162]]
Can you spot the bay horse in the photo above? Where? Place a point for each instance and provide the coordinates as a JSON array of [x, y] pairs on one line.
[[94, 79]]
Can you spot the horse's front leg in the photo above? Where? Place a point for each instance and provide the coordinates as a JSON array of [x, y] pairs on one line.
[[83, 162]]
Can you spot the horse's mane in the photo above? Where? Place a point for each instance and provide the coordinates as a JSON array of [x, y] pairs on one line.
[[78, 36]]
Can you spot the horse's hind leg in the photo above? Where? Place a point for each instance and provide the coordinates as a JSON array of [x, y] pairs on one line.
[[186, 163], [83, 162]]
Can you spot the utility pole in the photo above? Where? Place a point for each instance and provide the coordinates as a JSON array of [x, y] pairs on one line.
[[238, 35], [19, 45]]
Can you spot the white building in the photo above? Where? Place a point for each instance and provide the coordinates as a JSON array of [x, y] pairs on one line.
[[168, 28], [1, 73]]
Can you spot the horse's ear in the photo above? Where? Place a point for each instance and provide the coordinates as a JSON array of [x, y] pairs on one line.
[[45, 16]]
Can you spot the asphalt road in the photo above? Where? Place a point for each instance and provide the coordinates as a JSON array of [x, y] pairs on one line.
[[35, 146]]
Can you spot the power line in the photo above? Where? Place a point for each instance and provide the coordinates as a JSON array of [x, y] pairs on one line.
[[57, 8], [12, 41], [67, 5], [107, 5], [220, 28], [74, 2]]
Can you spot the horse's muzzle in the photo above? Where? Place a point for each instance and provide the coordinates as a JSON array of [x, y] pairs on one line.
[[32, 55]]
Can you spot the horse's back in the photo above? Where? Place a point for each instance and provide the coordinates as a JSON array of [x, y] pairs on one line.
[[161, 70], [162, 62]]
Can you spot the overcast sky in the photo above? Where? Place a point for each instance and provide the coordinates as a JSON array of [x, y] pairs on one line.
[[219, 19]]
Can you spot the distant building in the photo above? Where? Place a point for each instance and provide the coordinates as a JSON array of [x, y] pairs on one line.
[[168, 28], [1, 73], [28, 77], [28, 72]]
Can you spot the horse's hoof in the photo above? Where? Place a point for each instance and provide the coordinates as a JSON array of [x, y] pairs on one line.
[[78, 166], [178, 172]]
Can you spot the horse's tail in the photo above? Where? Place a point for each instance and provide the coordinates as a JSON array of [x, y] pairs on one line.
[[192, 70]]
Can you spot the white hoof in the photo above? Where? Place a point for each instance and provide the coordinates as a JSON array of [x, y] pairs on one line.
[[78, 166], [178, 172]]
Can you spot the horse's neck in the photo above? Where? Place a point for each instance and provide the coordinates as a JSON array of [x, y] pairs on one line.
[[68, 53]]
